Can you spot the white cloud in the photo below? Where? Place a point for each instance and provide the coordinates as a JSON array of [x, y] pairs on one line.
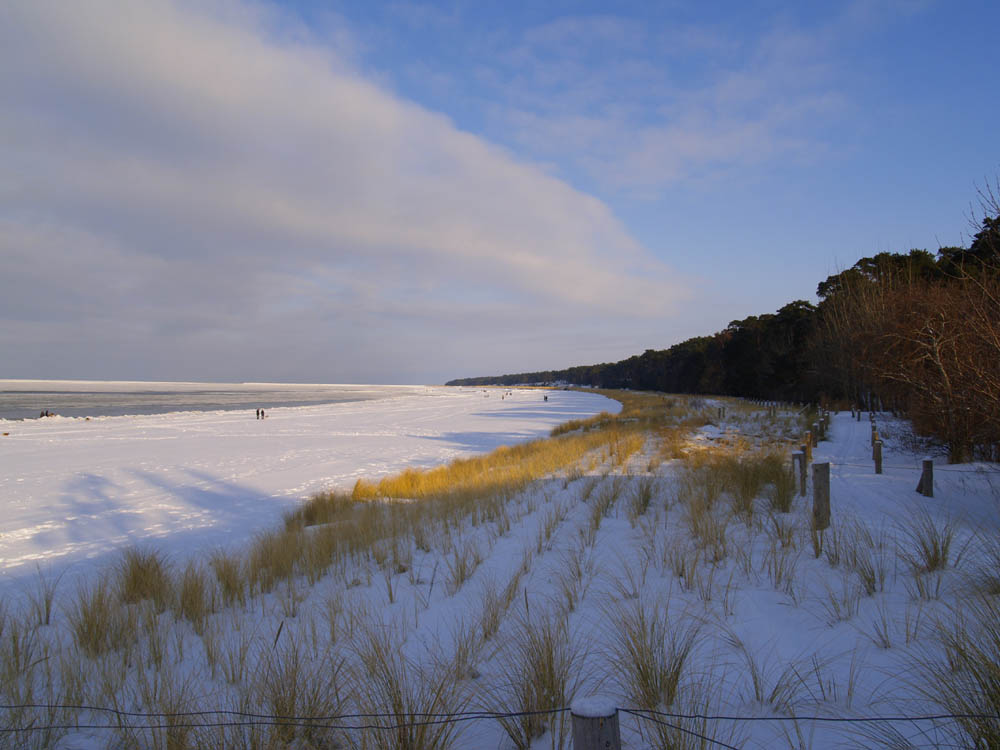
[[645, 107], [183, 180]]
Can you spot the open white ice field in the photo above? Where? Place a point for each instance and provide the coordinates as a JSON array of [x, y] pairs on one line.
[[645, 581]]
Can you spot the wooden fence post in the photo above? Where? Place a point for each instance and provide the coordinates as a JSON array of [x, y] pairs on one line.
[[595, 725], [926, 484], [815, 434], [877, 456], [821, 495], [799, 462]]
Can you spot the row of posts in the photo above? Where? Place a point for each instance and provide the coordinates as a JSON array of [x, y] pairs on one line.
[[926, 484], [770, 406], [821, 471]]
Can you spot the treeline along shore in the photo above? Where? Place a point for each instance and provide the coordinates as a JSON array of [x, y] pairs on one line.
[[916, 332]]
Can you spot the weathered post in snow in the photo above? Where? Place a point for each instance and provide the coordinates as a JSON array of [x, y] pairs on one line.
[[815, 434], [807, 448], [874, 434], [821, 495], [877, 456], [595, 725], [858, 415], [926, 484], [799, 462]]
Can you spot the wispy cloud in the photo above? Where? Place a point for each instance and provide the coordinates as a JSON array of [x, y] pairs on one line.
[[638, 106], [198, 185]]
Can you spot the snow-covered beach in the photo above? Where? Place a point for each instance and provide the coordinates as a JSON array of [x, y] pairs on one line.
[[639, 562], [72, 489]]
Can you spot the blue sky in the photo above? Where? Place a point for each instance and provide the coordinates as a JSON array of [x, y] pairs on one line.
[[410, 192]]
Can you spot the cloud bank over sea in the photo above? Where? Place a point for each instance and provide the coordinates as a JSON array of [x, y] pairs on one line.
[[206, 186]]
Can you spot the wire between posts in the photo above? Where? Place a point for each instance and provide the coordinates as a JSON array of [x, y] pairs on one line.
[[690, 732], [918, 468], [831, 719], [430, 719], [260, 720]]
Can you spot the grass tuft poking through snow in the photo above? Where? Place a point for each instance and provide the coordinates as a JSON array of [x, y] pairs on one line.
[[540, 670]]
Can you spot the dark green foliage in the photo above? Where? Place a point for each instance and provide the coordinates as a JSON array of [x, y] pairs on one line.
[[761, 357], [915, 332]]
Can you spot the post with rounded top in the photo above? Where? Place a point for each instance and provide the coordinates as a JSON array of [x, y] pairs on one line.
[[595, 724], [877, 456], [821, 495]]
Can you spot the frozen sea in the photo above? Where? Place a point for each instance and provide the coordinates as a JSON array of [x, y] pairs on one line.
[[27, 399]]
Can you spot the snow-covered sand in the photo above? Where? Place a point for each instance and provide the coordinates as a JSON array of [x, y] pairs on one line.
[[72, 489], [782, 634]]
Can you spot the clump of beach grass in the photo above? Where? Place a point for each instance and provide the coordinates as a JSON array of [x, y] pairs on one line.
[[293, 681], [540, 671], [652, 651], [98, 623], [229, 574], [385, 681], [144, 574], [962, 677], [929, 547]]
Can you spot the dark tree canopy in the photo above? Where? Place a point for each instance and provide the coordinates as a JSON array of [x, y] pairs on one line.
[[917, 331]]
